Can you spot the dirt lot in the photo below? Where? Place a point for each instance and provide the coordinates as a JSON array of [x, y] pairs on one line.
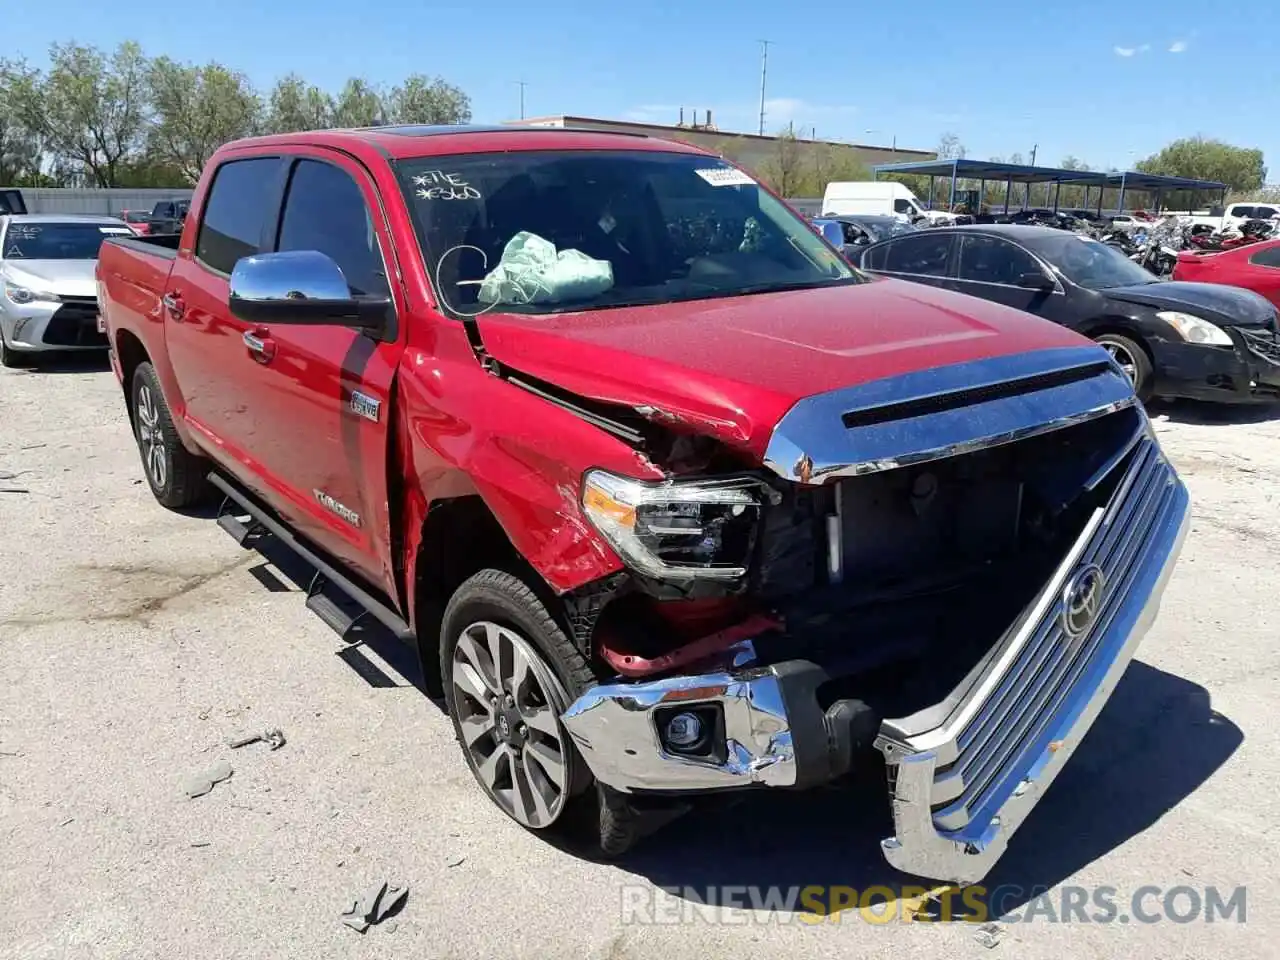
[[133, 642]]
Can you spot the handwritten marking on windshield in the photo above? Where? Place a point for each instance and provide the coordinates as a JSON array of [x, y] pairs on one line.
[[438, 185]]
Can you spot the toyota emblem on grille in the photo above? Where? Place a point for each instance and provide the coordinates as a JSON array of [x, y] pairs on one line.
[[1082, 599]]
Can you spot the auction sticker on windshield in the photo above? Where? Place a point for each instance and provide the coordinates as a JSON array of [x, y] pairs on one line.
[[725, 177]]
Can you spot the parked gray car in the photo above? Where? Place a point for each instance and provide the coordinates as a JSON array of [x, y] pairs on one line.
[[48, 296]]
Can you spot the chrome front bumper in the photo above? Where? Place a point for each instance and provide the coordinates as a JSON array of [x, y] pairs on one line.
[[964, 774]]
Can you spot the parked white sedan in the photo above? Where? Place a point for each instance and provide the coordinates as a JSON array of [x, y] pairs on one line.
[[48, 297]]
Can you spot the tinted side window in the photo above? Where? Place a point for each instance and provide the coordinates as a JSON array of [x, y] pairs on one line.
[[873, 257], [901, 206], [1270, 257], [925, 254], [231, 226], [324, 210], [1242, 211], [1264, 213], [992, 260]]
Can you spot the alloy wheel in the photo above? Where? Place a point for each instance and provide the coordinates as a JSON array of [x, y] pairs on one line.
[[1124, 359], [506, 701], [155, 458]]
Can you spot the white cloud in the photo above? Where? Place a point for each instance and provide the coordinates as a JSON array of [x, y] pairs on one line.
[[1124, 51], [1178, 46], [1144, 48]]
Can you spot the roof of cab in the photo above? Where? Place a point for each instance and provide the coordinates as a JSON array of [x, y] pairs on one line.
[[423, 140]]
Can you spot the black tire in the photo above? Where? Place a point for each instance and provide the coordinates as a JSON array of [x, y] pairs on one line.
[[1133, 358], [590, 813], [175, 475]]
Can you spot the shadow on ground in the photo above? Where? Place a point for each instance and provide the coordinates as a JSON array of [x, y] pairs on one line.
[[1157, 740], [1196, 412], [46, 363], [282, 570]]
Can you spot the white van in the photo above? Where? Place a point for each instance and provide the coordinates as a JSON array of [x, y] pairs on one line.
[[877, 198]]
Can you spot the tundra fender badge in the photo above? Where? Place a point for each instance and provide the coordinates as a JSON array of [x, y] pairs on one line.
[[340, 509], [1082, 600], [363, 405]]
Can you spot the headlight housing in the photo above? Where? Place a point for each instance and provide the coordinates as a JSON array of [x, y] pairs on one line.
[[1195, 329], [25, 295], [677, 529]]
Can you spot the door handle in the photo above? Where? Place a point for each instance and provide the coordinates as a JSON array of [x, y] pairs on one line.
[[173, 303], [258, 343]]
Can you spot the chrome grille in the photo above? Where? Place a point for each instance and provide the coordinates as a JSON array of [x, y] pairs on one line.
[[1002, 738]]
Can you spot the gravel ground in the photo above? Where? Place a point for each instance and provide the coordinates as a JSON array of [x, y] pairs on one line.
[[134, 641]]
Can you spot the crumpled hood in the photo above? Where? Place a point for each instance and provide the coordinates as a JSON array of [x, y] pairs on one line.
[[731, 367], [1216, 302], [66, 278]]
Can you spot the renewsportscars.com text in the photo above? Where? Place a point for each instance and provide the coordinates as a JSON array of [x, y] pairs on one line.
[[642, 904]]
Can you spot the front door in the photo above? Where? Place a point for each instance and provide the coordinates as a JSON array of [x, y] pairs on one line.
[[327, 389], [992, 267]]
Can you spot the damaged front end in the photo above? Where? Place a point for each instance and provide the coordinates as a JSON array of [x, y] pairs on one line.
[[952, 567]]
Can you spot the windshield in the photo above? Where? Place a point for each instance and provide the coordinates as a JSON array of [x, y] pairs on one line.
[[554, 232], [56, 241], [136, 216], [1089, 263]]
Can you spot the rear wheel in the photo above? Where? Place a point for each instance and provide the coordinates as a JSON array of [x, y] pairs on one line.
[[509, 673], [1132, 359], [175, 475]]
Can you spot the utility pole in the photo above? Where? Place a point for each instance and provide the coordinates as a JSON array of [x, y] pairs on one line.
[[764, 72], [521, 84], [1034, 148]]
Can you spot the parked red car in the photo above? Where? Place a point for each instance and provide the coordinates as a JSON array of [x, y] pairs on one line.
[[139, 221], [1255, 267]]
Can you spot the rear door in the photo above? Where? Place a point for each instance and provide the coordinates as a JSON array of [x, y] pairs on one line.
[[924, 257], [222, 396], [325, 391]]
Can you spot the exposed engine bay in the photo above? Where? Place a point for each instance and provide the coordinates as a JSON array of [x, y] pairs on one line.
[[911, 573]]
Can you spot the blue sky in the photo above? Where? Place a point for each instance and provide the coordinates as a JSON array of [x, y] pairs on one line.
[[1104, 82]]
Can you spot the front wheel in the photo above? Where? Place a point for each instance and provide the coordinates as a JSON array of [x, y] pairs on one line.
[[1132, 359], [11, 358], [509, 672]]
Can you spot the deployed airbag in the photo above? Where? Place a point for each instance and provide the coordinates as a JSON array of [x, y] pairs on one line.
[[533, 271]]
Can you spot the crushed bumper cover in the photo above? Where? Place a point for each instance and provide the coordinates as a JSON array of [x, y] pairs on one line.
[[965, 773]]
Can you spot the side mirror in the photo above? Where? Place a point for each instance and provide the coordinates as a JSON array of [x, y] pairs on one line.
[[832, 232], [300, 287], [1035, 280]]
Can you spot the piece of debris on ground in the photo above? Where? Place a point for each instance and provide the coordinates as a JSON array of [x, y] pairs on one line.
[[202, 783], [379, 902], [989, 934], [274, 738]]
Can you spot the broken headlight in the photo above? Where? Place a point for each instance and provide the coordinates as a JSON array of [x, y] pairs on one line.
[[677, 529]]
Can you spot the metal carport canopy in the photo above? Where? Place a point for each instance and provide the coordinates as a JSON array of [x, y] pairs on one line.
[[1023, 173]]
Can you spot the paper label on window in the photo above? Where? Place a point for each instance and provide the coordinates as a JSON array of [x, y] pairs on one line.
[[114, 230], [725, 177]]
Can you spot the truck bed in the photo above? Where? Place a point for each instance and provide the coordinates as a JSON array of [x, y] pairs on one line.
[[134, 273]]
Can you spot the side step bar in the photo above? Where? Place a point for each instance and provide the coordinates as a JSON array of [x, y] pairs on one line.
[[326, 574]]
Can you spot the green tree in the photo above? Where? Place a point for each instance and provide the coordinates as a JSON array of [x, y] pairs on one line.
[[19, 144], [1200, 158], [783, 169], [297, 105], [358, 105], [197, 110], [429, 100], [88, 109]]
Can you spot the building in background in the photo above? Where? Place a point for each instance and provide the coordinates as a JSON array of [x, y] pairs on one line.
[[748, 149]]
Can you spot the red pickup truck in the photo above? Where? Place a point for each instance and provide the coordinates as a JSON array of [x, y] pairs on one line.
[[670, 498]]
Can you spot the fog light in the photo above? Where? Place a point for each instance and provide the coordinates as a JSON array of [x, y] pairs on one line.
[[684, 730]]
